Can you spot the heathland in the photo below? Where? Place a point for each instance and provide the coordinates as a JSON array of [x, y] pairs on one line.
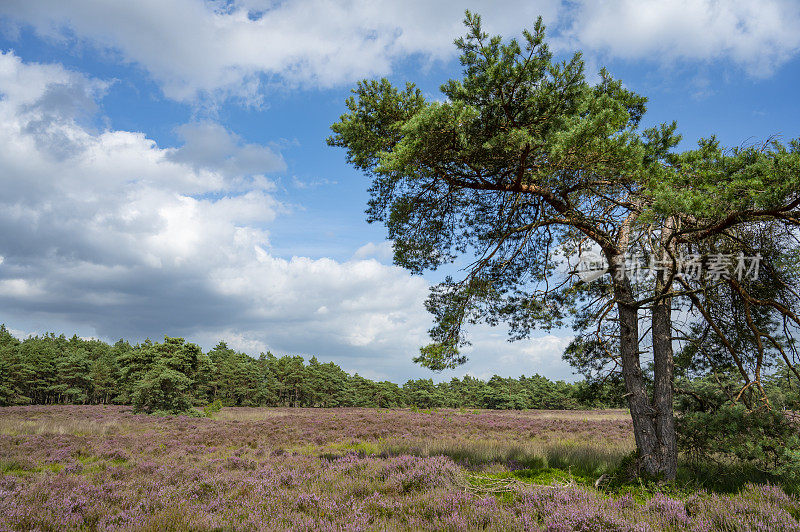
[[103, 467]]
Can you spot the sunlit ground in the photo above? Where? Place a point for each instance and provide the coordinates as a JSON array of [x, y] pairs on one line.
[[96, 467]]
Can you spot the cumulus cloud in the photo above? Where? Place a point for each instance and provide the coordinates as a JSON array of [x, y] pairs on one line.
[[382, 251], [209, 145], [220, 49], [124, 232], [760, 36], [121, 238], [197, 48]]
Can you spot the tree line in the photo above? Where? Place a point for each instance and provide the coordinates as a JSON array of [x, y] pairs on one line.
[[176, 375]]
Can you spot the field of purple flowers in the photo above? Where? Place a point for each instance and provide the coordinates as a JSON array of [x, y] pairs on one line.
[[103, 468]]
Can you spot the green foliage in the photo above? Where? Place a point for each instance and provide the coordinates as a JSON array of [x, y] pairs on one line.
[[175, 376], [438, 356], [422, 393], [504, 168], [212, 408], [163, 389], [715, 182], [8, 348], [713, 429]]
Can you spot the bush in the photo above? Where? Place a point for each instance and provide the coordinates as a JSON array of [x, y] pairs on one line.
[[212, 408], [163, 390], [712, 428]]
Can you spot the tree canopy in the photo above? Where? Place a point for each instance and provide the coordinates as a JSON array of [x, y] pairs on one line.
[[522, 167], [174, 376]]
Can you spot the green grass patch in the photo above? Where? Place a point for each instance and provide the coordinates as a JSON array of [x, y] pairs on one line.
[[13, 467], [548, 476], [20, 469]]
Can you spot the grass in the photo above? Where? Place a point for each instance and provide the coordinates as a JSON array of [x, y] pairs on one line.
[[581, 458], [55, 426], [13, 467], [249, 414]]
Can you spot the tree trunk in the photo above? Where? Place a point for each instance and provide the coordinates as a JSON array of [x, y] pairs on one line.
[[664, 368], [653, 424]]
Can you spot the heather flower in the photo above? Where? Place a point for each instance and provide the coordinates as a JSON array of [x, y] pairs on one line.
[[268, 471]]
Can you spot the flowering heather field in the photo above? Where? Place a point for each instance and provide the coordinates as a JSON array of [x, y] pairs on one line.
[[101, 468]]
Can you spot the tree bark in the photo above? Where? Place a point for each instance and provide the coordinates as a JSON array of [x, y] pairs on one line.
[[664, 365], [653, 422]]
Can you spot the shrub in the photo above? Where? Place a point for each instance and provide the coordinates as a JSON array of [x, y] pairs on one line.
[[712, 428], [212, 408], [163, 390]]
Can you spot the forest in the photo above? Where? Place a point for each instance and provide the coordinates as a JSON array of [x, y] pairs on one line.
[[175, 375]]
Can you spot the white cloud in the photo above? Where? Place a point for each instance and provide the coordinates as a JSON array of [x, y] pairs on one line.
[[382, 251], [537, 352], [126, 238], [116, 237], [209, 145], [19, 288], [193, 49], [760, 36], [491, 353], [304, 185], [220, 49], [16, 333]]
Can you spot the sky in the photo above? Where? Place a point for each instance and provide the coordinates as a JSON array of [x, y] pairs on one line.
[[164, 169]]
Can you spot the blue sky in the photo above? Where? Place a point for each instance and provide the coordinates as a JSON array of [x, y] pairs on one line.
[[165, 169]]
